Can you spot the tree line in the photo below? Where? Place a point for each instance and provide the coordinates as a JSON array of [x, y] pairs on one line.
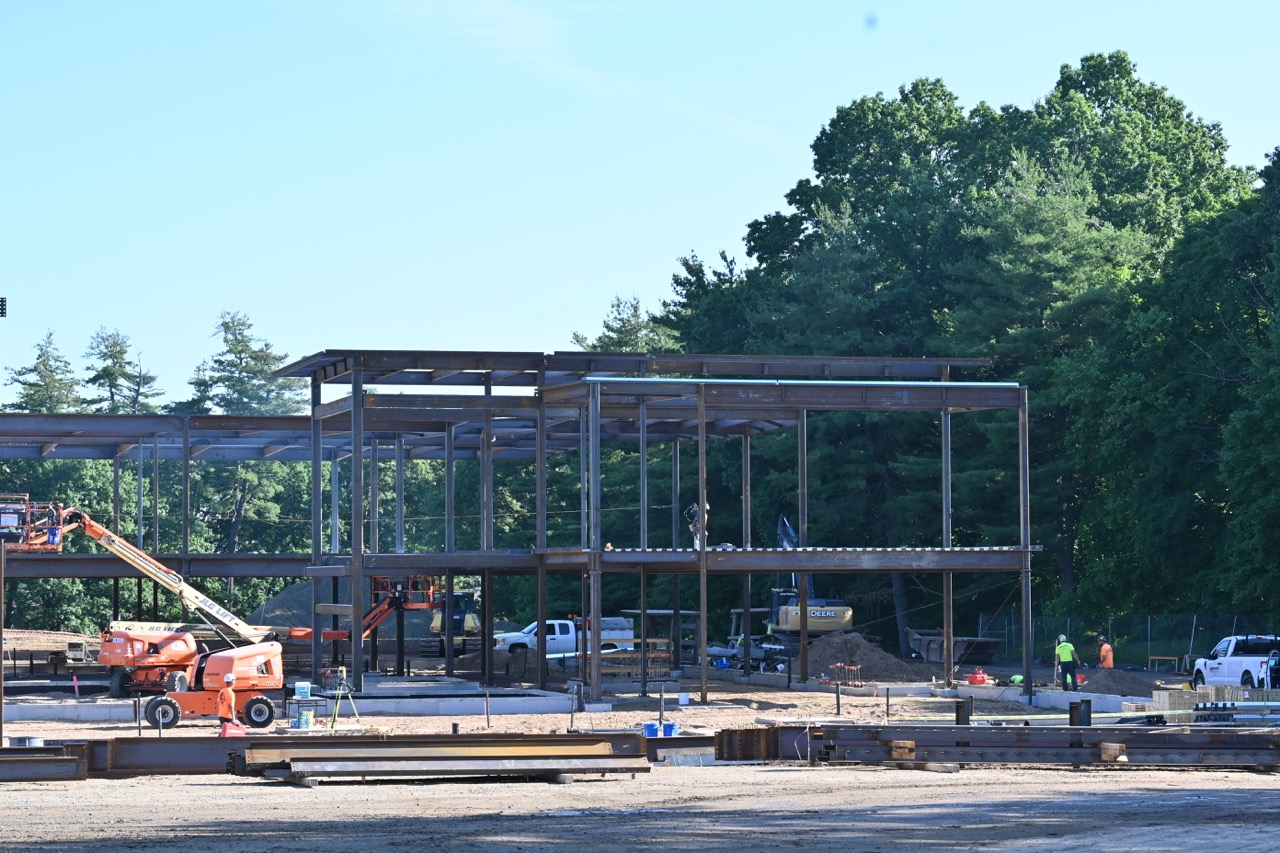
[[1096, 246]]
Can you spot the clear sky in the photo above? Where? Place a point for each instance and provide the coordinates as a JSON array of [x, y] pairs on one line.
[[419, 174]]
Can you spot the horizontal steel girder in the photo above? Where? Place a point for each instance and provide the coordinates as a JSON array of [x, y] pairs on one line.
[[770, 560], [524, 561], [197, 566]]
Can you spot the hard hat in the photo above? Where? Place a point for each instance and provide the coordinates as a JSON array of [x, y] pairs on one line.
[[1015, 679], [1062, 638], [229, 678]]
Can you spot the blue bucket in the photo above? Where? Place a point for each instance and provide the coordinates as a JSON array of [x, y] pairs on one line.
[[670, 729], [650, 729]]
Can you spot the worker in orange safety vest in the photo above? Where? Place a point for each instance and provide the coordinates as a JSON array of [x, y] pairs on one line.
[[1106, 658], [227, 700]]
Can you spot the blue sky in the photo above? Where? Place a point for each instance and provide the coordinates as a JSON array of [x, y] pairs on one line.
[[413, 174]]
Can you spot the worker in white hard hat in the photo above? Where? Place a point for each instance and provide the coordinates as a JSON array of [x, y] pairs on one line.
[[1066, 660], [227, 700]]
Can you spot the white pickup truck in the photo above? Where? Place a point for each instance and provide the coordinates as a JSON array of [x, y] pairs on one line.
[[1250, 660], [565, 636]]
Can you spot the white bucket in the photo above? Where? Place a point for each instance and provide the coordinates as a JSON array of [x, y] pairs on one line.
[[684, 698], [302, 690]]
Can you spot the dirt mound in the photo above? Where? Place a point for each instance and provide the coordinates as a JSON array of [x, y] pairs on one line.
[[44, 641], [1116, 682], [852, 649]]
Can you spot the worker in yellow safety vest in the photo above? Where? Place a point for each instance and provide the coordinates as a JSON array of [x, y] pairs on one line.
[[1066, 659]]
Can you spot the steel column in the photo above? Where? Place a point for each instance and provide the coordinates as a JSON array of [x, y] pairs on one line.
[[357, 523], [802, 590], [375, 503], [584, 483], [186, 495], [1024, 513], [643, 425], [486, 483], [702, 523], [317, 524], [596, 504], [948, 587], [399, 494], [450, 511]]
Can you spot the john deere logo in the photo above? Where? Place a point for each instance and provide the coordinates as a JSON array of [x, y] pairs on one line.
[[822, 613]]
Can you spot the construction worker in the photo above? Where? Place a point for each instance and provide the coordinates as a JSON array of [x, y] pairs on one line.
[[1066, 659], [697, 522], [227, 700], [54, 525], [1105, 658]]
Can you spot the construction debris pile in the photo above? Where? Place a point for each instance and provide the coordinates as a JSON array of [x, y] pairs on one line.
[[873, 662], [1115, 682]]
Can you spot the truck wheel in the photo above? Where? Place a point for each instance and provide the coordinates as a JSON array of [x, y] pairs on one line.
[[162, 713], [1198, 679], [176, 682], [258, 712], [1246, 680], [517, 648], [118, 687]]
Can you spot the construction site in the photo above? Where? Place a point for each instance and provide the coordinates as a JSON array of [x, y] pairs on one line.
[[379, 679]]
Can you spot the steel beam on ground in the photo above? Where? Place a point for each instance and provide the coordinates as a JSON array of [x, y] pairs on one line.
[[41, 768], [977, 744]]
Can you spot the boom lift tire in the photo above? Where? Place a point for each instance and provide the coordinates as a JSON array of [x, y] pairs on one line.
[[118, 687], [176, 682], [258, 712], [162, 713]]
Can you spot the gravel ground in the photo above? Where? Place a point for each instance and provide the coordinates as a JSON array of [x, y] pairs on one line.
[[725, 807]]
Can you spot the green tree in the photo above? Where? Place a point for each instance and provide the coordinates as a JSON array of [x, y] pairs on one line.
[[48, 385], [239, 378], [628, 329], [239, 503], [1010, 233], [122, 385]]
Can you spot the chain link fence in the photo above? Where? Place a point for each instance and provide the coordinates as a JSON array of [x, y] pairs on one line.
[[1167, 642]]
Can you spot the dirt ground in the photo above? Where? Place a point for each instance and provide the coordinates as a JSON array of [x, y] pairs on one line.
[[782, 806]]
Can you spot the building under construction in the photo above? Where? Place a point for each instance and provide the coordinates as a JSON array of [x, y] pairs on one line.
[[386, 408]]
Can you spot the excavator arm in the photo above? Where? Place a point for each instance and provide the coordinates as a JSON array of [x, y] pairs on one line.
[[166, 577]]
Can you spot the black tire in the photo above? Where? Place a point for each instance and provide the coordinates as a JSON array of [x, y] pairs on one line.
[[176, 682], [118, 687], [258, 712], [1197, 680], [162, 713], [1246, 680], [516, 648]]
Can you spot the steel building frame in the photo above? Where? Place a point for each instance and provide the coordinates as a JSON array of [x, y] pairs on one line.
[[529, 406]]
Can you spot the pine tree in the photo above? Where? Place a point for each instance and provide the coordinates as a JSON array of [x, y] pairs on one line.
[[49, 385], [124, 387]]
